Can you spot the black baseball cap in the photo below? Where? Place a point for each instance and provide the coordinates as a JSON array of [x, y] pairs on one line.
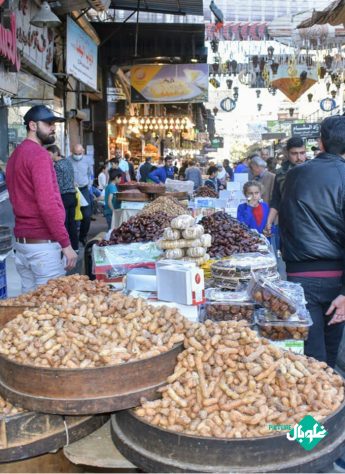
[[42, 113]]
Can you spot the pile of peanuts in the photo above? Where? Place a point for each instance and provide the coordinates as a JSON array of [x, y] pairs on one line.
[[58, 288], [89, 330], [7, 409], [229, 383]]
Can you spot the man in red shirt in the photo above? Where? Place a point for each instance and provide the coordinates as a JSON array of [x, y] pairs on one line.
[[42, 249]]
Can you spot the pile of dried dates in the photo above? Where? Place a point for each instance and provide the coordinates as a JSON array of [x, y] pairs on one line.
[[228, 235], [140, 228], [205, 191]]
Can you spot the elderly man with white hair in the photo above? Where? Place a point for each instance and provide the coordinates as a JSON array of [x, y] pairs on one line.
[[258, 167]]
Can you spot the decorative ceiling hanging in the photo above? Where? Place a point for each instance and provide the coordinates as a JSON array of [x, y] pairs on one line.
[[294, 79], [228, 104]]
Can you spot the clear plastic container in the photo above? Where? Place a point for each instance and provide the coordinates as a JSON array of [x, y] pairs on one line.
[[228, 311], [276, 330], [269, 295]]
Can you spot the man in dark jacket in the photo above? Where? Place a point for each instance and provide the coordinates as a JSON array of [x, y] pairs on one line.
[[296, 154], [312, 222], [144, 170]]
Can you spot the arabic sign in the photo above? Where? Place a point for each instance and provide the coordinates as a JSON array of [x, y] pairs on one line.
[[114, 94], [308, 433], [306, 130], [169, 83], [81, 55], [8, 43], [35, 44]]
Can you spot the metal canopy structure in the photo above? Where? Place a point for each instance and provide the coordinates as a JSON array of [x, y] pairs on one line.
[[172, 7], [334, 14]]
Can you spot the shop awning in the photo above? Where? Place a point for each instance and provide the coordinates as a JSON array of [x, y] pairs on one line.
[[173, 7], [334, 14]]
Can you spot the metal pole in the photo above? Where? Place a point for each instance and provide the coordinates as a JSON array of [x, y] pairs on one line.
[[137, 32]]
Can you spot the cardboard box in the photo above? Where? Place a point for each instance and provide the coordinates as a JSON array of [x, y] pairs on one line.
[[141, 279], [180, 282]]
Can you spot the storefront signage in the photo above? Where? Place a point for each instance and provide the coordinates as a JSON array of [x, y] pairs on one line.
[[114, 94], [81, 55], [36, 44], [169, 83], [217, 142], [306, 130], [8, 43], [237, 31]]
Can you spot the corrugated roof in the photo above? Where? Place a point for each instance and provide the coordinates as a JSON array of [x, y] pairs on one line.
[[176, 7]]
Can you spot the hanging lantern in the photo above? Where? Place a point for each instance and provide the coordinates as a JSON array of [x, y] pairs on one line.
[[258, 92], [259, 106], [142, 121], [274, 67], [215, 110], [333, 94], [234, 67], [328, 61], [310, 97], [322, 72], [255, 61], [118, 121], [165, 121], [274, 90], [291, 111], [124, 121], [235, 93], [270, 51], [229, 83], [214, 45], [328, 85]]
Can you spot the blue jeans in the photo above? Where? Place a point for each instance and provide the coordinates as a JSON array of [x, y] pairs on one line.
[[323, 341]]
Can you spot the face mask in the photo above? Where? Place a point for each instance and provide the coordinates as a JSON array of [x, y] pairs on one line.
[[77, 157]]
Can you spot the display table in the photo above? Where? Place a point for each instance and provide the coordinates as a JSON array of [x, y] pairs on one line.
[[128, 210]]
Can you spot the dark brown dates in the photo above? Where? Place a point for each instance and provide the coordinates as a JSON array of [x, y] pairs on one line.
[[229, 235], [140, 228], [229, 312]]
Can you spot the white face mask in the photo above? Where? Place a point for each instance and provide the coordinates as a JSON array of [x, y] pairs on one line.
[[77, 157]]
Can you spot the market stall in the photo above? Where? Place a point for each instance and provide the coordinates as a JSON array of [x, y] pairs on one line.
[[203, 340]]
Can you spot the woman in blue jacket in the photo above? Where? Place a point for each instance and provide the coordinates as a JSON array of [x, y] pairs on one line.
[[254, 212]]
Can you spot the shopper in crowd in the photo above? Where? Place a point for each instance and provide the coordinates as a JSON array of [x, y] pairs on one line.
[[182, 170], [144, 170], [296, 155], [193, 173], [265, 153], [83, 173], [258, 167], [162, 173], [212, 181], [222, 175], [228, 169], [2, 172], [102, 178], [124, 166], [311, 217], [40, 232], [272, 164], [131, 171], [254, 212], [65, 179], [176, 169], [243, 166], [110, 200]]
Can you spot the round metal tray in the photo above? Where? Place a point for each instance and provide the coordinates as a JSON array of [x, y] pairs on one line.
[[157, 450], [29, 434], [85, 391]]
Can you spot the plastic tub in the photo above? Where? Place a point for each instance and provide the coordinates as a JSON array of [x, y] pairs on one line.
[[228, 311], [277, 330], [241, 265]]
